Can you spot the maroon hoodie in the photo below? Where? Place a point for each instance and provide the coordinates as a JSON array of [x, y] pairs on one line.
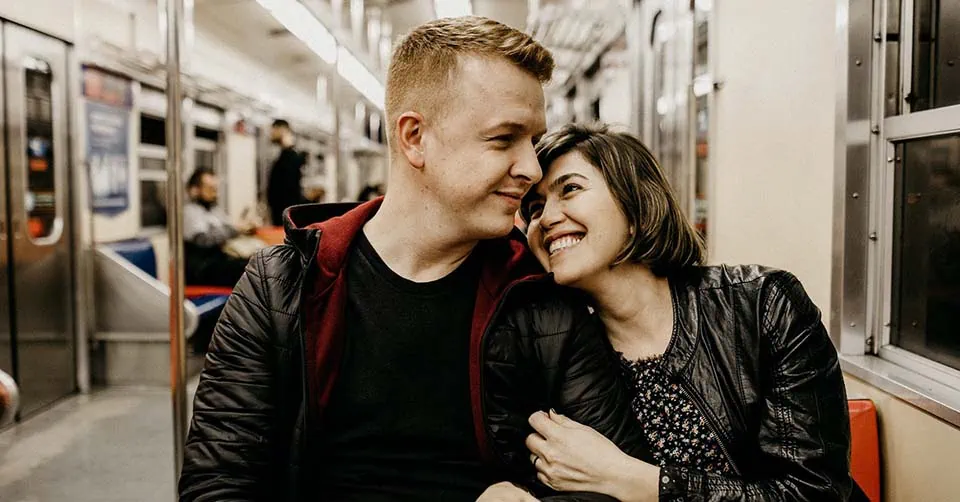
[[505, 261]]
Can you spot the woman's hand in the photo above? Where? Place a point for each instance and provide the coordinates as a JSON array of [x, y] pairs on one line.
[[570, 456], [505, 492]]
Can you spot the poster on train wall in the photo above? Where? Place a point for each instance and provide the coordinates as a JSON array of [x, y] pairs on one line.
[[108, 103]]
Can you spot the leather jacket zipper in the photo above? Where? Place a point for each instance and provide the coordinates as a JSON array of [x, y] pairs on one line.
[[710, 424]]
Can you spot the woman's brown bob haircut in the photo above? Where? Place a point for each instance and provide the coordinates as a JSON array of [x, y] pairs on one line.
[[424, 64], [663, 238]]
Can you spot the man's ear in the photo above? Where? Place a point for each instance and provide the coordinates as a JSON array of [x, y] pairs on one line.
[[410, 138]]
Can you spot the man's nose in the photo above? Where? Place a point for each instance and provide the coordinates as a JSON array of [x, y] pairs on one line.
[[527, 166]]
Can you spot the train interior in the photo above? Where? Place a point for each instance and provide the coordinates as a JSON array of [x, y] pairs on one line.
[[818, 137]]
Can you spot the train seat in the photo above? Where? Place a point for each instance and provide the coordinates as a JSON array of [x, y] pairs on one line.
[[865, 447], [209, 300]]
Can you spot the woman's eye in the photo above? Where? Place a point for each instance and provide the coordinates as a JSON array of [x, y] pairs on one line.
[[570, 188]]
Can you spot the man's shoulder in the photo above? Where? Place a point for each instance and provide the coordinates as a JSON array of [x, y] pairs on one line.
[[283, 262]]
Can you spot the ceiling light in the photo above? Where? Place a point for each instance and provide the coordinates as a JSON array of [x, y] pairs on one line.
[[299, 21], [351, 69]]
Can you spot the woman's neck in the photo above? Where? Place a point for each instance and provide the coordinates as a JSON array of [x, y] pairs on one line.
[[636, 308]]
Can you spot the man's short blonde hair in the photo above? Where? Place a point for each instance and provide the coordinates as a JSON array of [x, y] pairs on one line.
[[425, 61]]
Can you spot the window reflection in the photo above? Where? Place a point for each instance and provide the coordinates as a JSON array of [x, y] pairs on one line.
[[40, 199], [926, 302], [936, 55], [892, 69]]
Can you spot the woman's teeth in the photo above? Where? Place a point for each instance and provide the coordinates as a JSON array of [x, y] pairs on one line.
[[564, 243]]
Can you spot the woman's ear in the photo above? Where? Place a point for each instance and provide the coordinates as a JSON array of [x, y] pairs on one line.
[[410, 138]]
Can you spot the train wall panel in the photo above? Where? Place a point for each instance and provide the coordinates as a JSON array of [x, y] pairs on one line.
[[917, 451], [773, 152], [242, 152]]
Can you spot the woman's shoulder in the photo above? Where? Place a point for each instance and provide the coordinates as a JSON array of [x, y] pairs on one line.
[[766, 289], [750, 277]]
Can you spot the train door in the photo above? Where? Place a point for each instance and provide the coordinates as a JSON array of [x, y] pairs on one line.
[[35, 218]]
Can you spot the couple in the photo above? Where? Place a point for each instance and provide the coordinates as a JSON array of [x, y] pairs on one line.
[[405, 349]]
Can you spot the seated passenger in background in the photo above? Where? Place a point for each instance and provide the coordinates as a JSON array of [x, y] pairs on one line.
[[735, 382], [206, 229], [393, 351]]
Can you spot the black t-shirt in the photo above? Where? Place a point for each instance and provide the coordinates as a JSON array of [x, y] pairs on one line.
[[399, 424]]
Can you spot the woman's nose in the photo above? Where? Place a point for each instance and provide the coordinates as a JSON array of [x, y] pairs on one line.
[[552, 215]]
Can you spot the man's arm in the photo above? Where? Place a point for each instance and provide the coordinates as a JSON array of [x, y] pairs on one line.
[[198, 231], [227, 454], [553, 353]]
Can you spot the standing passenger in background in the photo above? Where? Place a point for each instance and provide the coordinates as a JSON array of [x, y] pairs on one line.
[[283, 187]]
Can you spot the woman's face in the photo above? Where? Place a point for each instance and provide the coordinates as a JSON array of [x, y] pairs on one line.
[[576, 228]]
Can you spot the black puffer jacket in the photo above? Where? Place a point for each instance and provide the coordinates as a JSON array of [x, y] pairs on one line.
[[751, 352], [541, 349]]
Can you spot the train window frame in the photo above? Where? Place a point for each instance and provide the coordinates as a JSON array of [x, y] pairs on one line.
[[155, 152], [938, 122], [861, 323]]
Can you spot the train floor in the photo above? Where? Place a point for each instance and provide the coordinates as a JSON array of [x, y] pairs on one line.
[[113, 445]]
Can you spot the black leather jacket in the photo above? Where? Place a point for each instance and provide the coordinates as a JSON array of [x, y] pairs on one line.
[[249, 429], [751, 352]]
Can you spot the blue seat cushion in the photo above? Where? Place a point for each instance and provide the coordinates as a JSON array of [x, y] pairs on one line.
[[209, 305], [138, 252]]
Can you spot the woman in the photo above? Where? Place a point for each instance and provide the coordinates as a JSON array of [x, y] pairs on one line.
[[735, 381]]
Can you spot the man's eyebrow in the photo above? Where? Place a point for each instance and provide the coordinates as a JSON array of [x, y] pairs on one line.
[[508, 125]]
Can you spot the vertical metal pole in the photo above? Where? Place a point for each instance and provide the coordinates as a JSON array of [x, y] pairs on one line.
[[178, 365], [335, 84]]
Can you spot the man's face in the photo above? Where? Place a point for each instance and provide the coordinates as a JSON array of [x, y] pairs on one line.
[[276, 134], [479, 158], [207, 191]]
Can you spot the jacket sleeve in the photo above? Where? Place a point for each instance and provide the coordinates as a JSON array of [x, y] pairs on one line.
[[553, 353], [592, 389], [227, 450], [805, 429]]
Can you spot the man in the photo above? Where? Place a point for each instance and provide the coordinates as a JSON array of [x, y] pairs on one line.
[[283, 186], [372, 358], [206, 229]]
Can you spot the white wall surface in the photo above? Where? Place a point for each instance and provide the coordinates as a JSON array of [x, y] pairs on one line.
[[773, 144], [54, 17], [241, 155], [615, 97]]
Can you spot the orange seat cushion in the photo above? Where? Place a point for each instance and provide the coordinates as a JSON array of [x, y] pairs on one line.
[[198, 291], [865, 447]]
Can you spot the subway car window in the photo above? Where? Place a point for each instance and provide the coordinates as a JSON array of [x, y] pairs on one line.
[[927, 246], [41, 196], [936, 55], [892, 69], [153, 191]]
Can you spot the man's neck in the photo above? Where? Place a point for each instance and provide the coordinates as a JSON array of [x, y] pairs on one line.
[[411, 241]]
